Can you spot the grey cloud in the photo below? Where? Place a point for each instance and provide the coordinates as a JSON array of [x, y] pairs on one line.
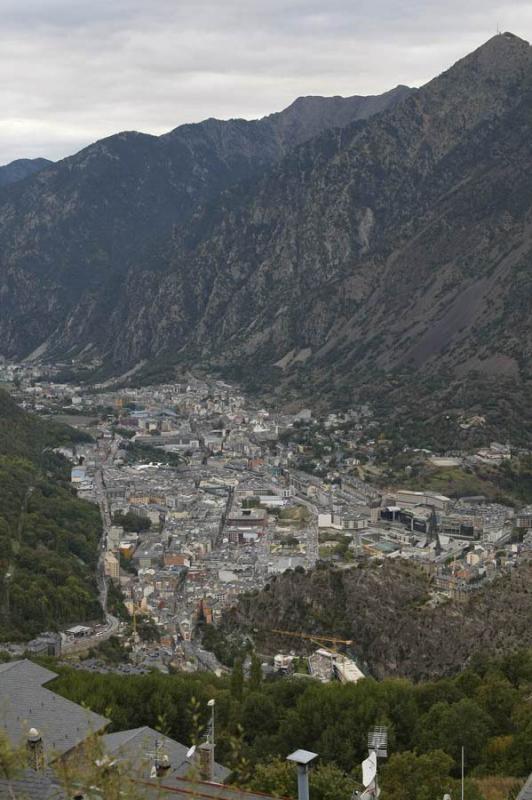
[[75, 71]]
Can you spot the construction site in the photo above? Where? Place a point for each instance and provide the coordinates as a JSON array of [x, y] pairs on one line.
[[326, 663]]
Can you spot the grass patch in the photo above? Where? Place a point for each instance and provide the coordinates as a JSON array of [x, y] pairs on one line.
[[496, 788]]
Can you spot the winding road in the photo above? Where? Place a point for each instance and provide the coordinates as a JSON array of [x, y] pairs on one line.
[[111, 622]]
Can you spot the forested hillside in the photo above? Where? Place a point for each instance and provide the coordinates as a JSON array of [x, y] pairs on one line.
[[48, 537], [487, 708], [27, 435]]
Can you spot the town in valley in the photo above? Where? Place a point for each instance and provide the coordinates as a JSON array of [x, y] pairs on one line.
[[205, 494]]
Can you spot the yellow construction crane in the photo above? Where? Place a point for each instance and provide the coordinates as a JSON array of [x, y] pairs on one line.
[[319, 640], [136, 610]]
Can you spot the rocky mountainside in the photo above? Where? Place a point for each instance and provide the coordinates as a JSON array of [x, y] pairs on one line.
[[384, 610], [405, 239], [69, 236], [22, 168], [396, 245]]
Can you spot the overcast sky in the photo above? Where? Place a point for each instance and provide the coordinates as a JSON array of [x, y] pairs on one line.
[[74, 71]]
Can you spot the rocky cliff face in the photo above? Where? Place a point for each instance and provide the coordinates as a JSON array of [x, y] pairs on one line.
[[384, 610], [401, 241], [22, 168], [69, 237]]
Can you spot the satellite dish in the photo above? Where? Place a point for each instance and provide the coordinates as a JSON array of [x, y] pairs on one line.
[[446, 797], [153, 773], [369, 769], [191, 751]]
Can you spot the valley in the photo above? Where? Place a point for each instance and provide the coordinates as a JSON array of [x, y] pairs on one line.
[[238, 541], [266, 448], [221, 516], [401, 231]]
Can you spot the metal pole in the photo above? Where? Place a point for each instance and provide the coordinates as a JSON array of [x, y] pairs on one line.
[[212, 742], [462, 772], [302, 782]]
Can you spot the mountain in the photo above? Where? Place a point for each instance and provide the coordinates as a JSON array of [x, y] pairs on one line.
[[394, 246], [307, 117], [403, 238], [48, 537], [377, 252], [22, 168], [383, 609], [70, 236]]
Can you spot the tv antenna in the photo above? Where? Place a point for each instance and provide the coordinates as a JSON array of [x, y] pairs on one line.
[[159, 759], [378, 741], [377, 748]]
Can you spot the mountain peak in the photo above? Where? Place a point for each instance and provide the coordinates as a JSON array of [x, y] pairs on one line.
[[510, 35], [484, 84], [503, 53]]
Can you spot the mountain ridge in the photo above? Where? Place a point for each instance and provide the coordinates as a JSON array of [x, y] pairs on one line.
[[21, 168], [366, 208], [81, 225], [396, 245]]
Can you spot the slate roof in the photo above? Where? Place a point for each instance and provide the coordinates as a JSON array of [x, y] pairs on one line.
[[186, 790], [25, 703], [31, 786], [42, 786], [136, 744], [526, 791]]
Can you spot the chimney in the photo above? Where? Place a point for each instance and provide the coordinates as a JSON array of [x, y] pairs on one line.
[[302, 758], [35, 750], [162, 766], [205, 762]]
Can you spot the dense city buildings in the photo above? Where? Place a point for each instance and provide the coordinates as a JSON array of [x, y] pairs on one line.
[[205, 495]]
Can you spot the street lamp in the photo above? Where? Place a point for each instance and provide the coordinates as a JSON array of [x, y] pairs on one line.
[[211, 705]]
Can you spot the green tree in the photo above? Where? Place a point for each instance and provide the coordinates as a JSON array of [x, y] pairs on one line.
[[132, 522], [408, 776], [255, 673], [237, 679], [498, 697], [148, 630], [279, 778], [258, 715], [448, 727]]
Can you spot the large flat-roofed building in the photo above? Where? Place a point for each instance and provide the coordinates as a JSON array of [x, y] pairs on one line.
[[411, 498], [248, 518]]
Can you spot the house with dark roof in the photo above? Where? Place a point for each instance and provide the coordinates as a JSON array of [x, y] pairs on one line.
[[142, 747], [31, 785], [26, 703], [53, 729], [526, 791]]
